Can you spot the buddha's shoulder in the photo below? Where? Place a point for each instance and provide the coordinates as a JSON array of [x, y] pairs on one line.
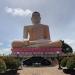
[[43, 25], [33, 26], [28, 26]]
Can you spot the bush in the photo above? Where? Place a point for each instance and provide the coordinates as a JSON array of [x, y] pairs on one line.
[[64, 62], [2, 66], [71, 63], [11, 63]]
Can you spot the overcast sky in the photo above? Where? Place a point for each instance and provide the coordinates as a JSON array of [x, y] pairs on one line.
[[15, 14]]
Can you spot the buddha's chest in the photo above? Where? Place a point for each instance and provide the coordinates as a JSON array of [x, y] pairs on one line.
[[36, 31]]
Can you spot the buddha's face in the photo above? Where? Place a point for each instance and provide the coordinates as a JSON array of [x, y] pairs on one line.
[[36, 18]]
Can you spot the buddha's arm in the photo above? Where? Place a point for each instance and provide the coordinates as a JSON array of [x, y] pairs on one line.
[[46, 33], [25, 32]]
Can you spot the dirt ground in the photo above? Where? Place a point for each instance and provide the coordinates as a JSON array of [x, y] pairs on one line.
[[41, 71]]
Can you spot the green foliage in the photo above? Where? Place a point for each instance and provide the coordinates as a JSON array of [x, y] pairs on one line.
[[68, 62], [71, 63], [64, 62], [11, 63], [2, 66], [66, 48]]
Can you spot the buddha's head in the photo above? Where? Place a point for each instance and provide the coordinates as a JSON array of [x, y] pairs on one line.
[[36, 18]]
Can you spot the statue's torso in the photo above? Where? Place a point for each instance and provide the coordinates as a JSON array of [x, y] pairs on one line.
[[37, 32]]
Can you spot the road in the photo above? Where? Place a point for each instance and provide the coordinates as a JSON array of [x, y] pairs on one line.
[[41, 71]]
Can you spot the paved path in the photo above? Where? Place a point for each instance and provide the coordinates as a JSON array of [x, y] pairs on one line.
[[41, 71]]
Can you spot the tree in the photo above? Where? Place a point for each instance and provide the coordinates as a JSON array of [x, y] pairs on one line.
[[71, 63], [2, 66], [64, 61], [66, 48], [11, 63]]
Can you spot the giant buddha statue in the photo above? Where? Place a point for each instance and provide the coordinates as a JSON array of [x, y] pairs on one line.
[[36, 35]]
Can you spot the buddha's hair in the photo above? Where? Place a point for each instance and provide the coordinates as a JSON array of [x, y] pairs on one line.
[[35, 13]]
